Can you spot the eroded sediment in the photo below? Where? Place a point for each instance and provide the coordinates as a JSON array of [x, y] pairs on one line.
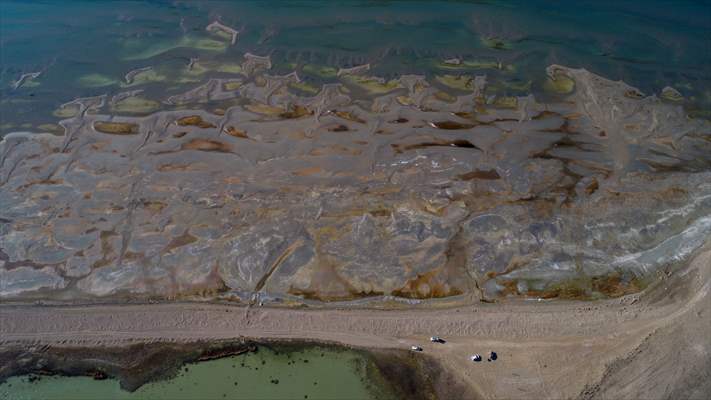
[[368, 189]]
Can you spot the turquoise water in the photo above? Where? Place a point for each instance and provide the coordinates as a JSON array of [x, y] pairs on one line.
[[314, 373], [85, 48]]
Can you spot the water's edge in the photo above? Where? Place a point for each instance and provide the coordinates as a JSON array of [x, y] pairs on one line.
[[393, 372]]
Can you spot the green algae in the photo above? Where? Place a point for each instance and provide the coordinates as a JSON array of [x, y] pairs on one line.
[[159, 48], [51, 128], [370, 84], [221, 34], [304, 87], [312, 373], [145, 77], [135, 105], [519, 86], [66, 111], [671, 94], [200, 68], [561, 84], [229, 68], [96, 80], [320, 71], [459, 82], [476, 65]]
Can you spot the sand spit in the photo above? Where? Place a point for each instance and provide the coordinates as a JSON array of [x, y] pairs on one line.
[[555, 350]]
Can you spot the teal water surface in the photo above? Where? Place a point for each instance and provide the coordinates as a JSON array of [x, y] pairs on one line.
[[85, 48]]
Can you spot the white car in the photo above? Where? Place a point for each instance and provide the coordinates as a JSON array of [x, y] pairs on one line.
[[436, 339], [475, 358], [415, 348]]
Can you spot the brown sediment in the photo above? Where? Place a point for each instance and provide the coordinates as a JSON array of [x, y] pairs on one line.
[[613, 285], [347, 115], [107, 250], [315, 294], [296, 111], [489, 174], [426, 286], [174, 167], [183, 240], [116, 128], [544, 114], [194, 120], [335, 149], [338, 128], [232, 131], [308, 171], [592, 187], [261, 108], [463, 114], [399, 148], [154, 207], [206, 145], [40, 182], [450, 125], [382, 212], [610, 285]]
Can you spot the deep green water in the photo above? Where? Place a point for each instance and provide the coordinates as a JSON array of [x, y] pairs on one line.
[[85, 48], [314, 373]]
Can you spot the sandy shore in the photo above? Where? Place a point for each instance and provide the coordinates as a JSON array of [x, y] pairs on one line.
[[651, 345]]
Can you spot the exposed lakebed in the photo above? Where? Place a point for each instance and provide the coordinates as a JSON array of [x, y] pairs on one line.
[[204, 162]]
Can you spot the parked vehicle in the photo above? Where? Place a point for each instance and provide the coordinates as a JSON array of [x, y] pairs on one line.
[[437, 339], [415, 348], [476, 358]]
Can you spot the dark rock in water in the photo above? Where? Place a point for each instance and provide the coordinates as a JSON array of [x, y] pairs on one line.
[[99, 375]]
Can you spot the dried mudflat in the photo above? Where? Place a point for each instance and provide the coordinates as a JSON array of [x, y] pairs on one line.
[[397, 195]]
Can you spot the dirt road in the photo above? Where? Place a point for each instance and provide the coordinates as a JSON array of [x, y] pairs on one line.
[[652, 345]]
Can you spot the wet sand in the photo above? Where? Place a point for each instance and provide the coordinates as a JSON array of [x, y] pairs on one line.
[[557, 350]]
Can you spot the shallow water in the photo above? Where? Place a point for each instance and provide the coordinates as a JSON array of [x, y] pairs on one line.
[[85, 48], [313, 373]]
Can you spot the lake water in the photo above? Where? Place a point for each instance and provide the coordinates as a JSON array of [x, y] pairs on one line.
[[313, 373], [85, 48]]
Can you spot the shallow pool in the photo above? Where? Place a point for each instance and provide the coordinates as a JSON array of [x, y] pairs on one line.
[[312, 373]]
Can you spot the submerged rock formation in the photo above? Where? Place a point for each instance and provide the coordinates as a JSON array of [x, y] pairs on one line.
[[411, 194]]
